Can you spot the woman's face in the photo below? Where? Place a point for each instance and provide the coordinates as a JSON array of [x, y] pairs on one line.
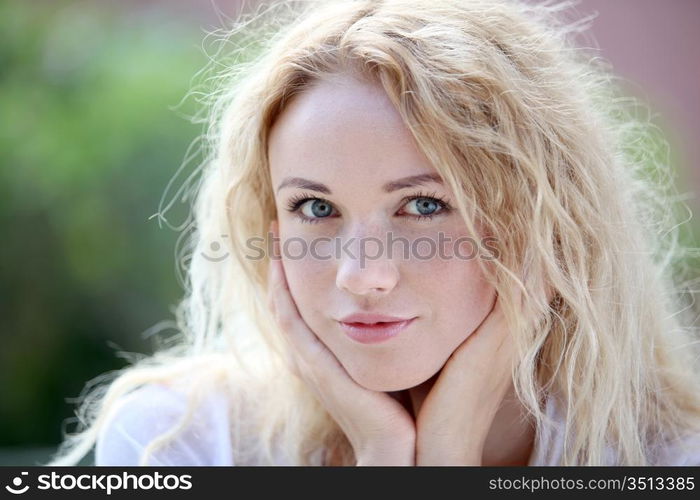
[[346, 141]]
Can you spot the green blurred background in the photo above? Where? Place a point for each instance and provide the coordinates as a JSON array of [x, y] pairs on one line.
[[94, 125], [92, 130]]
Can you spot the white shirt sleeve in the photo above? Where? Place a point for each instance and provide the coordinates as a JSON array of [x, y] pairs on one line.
[[152, 410], [686, 452], [549, 447]]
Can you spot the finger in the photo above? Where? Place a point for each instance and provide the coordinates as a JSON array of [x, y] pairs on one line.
[[290, 322], [317, 360], [286, 312], [314, 362], [486, 349]]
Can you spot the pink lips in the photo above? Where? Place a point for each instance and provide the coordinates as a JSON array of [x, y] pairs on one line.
[[373, 328]]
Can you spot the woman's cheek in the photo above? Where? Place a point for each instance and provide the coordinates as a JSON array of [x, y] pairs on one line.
[[306, 277], [459, 294]]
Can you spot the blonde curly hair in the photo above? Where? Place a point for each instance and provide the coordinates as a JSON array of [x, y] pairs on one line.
[[493, 91]]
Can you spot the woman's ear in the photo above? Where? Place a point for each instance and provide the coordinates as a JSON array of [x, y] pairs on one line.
[[550, 293]]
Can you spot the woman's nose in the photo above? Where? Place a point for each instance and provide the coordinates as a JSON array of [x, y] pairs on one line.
[[365, 267]]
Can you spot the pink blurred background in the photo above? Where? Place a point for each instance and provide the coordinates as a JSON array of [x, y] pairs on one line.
[[654, 45]]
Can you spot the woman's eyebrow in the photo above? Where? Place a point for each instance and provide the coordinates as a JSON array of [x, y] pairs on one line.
[[404, 182]]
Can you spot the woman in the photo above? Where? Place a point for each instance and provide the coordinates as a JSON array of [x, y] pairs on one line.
[[533, 312]]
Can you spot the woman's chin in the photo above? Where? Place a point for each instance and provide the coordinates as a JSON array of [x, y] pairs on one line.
[[390, 382]]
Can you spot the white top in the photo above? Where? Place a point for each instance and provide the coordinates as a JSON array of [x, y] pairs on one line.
[[151, 410]]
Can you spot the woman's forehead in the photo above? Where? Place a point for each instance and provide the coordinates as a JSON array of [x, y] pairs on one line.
[[337, 128], [329, 104]]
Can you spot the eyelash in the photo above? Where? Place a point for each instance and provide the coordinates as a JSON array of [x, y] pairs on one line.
[[297, 201]]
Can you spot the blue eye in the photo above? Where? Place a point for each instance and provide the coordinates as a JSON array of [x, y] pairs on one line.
[[312, 212], [428, 206], [318, 208]]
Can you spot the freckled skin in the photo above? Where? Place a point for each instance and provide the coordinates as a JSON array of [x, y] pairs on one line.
[[345, 133]]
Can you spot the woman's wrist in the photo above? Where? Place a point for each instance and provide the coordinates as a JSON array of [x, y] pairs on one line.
[[460, 459], [446, 453], [387, 455]]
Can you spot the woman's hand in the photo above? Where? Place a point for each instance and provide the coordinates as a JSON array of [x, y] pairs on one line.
[[378, 427], [459, 409]]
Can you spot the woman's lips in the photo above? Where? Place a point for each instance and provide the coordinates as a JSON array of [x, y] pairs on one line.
[[372, 333]]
